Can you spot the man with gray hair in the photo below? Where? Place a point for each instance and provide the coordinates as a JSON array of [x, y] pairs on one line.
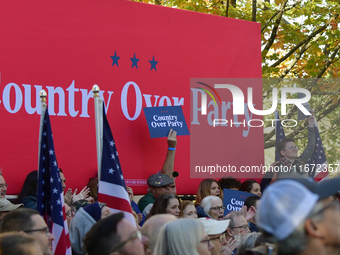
[[152, 227], [237, 228], [3, 186], [301, 216]]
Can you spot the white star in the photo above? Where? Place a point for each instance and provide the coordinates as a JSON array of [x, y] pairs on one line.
[[43, 182], [43, 170], [280, 133], [116, 153], [51, 180], [55, 163], [112, 156], [44, 146], [43, 158], [122, 177], [44, 134], [59, 180], [44, 121], [61, 213], [42, 194], [112, 143], [58, 202], [51, 152], [117, 166], [319, 156], [318, 138], [42, 205], [111, 171], [55, 191], [317, 144]]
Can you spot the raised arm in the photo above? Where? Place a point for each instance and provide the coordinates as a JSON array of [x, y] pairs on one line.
[[168, 166]]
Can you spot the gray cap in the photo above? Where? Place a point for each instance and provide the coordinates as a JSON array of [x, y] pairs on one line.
[[159, 180]]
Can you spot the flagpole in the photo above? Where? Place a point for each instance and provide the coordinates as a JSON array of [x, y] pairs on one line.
[[43, 96], [98, 110]]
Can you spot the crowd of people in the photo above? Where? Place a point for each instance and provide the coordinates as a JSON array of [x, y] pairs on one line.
[[293, 215]]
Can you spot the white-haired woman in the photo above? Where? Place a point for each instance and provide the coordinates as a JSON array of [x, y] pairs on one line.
[[213, 207], [183, 236]]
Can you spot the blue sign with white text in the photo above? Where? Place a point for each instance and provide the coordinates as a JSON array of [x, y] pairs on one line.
[[234, 199], [161, 119]]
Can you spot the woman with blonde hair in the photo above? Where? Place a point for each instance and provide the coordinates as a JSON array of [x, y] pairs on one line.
[[183, 236]]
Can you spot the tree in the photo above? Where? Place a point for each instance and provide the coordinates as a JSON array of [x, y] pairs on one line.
[[300, 39]]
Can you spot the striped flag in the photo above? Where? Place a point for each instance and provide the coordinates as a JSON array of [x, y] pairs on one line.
[[317, 163], [112, 189], [50, 198], [280, 133]]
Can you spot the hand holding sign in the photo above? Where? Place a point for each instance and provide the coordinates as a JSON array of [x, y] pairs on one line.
[[172, 141]]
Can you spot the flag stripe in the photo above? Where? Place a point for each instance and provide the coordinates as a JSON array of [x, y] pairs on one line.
[[106, 189], [116, 203]]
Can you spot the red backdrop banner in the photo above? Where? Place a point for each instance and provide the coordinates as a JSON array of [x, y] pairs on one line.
[[140, 55]]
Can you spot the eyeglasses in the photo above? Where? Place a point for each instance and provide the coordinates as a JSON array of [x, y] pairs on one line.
[[4, 185], [217, 208], [171, 186], [293, 148], [221, 237], [245, 227], [46, 230], [71, 212], [137, 234], [334, 203], [207, 240]]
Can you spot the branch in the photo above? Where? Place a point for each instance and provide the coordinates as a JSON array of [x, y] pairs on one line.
[[305, 47], [274, 31], [276, 13], [329, 61], [254, 11], [329, 109], [307, 39]]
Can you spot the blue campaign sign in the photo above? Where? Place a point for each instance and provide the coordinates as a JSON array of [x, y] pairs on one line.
[[161, 119], [234, 199]]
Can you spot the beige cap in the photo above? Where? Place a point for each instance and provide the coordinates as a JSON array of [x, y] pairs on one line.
[[7, 206]]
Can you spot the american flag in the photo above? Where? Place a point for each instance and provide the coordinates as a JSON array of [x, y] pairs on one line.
[[318, 160], [50, 198], [112, 189], [280, 134]]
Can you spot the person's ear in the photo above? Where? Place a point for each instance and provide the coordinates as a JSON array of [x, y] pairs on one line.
[[283, 153], [229, 232], [312, 229]]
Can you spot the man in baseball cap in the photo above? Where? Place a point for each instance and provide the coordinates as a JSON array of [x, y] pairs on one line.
[[301, 216], [216, 230], [6, 207], [159, 184]]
